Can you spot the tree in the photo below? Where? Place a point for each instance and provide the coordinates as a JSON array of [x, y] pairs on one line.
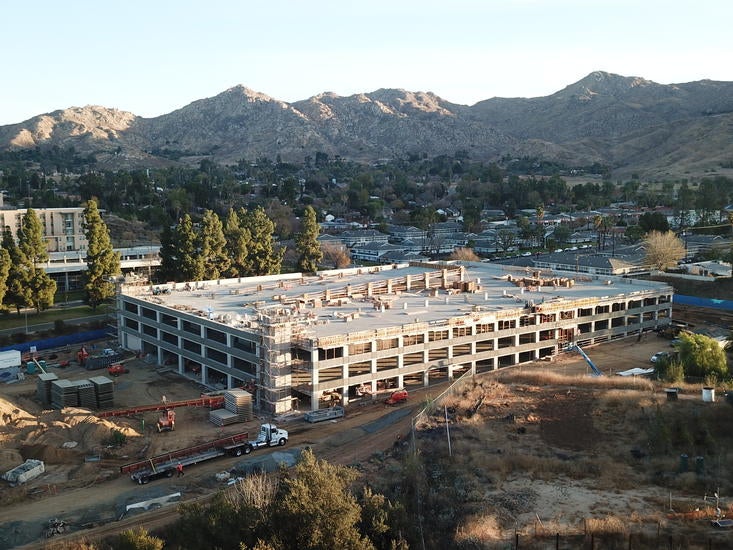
[[237, 244], [663, 250], [102, 261], [262, 256], [505, 239], [306, 243], [315, 496], [213, 246], [4, 272], [464, 254], [653, 221], [18, 291], [335, 255], [561, 233], [30, 238], [41, 288], [138, 539], [190, 264], [702, 356], [168, 255]]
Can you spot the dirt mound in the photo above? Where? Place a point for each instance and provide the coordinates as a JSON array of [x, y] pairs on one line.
[[9, 459], [49, 454]]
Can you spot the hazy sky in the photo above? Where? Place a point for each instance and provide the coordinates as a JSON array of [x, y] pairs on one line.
[[154, 56]]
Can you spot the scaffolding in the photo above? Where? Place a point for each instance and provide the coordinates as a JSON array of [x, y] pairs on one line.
[[278, 328]]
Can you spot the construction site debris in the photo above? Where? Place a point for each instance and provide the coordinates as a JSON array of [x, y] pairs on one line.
[[30, 469]]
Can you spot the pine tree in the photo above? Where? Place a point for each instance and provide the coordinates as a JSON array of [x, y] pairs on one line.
[[30, 238], [18, 290], [41, 288], [4, 273], [213, 247], [190, 264], [306, 243], [262, 257], [237, 244], [168, 255], [102, 261]]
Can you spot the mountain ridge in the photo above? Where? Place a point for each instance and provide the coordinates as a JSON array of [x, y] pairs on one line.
[[628, 123]]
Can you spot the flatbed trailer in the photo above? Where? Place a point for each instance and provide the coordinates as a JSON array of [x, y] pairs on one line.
[[324, 414], [212, 402], [164, 465]]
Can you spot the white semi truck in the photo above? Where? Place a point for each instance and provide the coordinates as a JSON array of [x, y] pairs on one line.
[[269, 436]]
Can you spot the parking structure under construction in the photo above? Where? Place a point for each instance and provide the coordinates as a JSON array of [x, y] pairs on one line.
[[300, 342]]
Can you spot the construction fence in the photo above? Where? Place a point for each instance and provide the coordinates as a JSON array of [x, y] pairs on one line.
[[61, 341]]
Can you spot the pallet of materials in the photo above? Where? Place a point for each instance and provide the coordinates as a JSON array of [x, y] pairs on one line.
[[223, 417]]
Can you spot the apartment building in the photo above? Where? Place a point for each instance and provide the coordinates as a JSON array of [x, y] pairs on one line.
[[297, 340], [63, 228]]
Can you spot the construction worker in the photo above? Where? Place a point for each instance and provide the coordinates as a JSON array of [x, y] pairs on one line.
[[179, 469], [165, 400]]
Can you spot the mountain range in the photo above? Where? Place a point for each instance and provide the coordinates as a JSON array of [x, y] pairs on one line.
[[629, 124]]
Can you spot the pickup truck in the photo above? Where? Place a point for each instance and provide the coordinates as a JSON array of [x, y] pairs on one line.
[[269, 436], [324, 414]]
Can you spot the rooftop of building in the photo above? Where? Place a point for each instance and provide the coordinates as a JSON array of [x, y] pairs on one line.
[[338, 302]]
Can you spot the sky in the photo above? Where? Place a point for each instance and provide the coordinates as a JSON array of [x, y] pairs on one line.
[[154, 56]]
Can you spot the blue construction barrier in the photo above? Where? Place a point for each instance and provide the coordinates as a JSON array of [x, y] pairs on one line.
[[61, 341], [683, 300]]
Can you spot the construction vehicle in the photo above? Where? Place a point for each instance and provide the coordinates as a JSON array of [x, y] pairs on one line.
[[591, 364], [269, 436], [165, 465], [116, 369], [325, 414], [399, 396], [167, 421]]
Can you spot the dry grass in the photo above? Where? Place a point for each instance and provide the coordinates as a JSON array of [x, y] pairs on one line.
[[543, 378], [479, 528], [609, 525]]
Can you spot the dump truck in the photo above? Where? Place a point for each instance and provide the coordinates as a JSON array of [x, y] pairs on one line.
[[164, 465], [269, 436], [325, 414]]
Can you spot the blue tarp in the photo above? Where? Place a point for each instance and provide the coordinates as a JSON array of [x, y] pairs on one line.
[[61, 341], [702, 302]]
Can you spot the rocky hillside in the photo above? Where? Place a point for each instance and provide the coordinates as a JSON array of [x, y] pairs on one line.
[[628, 123]]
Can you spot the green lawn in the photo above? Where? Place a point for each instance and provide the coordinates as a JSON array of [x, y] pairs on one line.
[[12, 320]]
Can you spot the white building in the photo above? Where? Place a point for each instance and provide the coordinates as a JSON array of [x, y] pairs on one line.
[[297, 338]]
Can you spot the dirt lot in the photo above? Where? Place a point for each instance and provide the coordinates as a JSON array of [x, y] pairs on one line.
[[552, 453]]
